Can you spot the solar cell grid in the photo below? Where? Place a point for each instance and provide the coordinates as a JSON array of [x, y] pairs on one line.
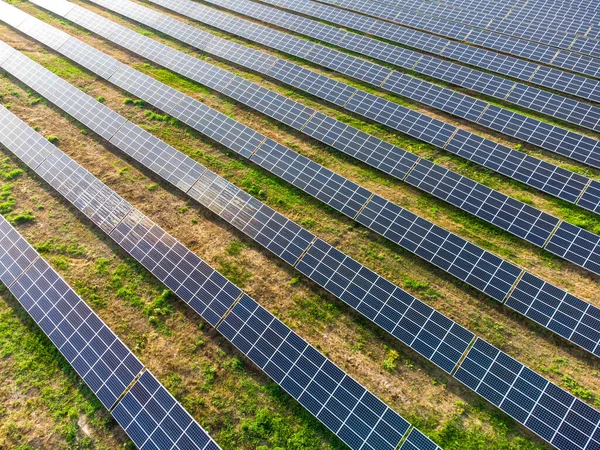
[[534, 172], [418, 441], [153, 419], [269, 228], [329, 187], [518, 218], [512, 45], [15, 135], [419, 326], [343, 405], [143, 86], [552, 413], [106, 365], [143, 249], [577, 245], [60, 8], [95, 352], [226, 131], [164, 160], [182, 271], [274, 105], [17, 255], [558, 311], [92, 114], [469, 263], [91, 58], [47, 34], [199, 285], [362, 146], [590, 199], [94, 199], [13, 17]]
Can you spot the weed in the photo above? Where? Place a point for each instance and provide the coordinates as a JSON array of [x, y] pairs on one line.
[[235, 247], [151, 115], [53, 139], [12, 174], [22, 217], [391, 358], [236, 274]]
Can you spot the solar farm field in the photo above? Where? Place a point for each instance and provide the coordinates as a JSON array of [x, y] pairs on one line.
[[299, 224]]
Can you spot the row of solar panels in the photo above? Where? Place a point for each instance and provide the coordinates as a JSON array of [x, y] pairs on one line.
[[581, 53], [135, 398], [446, 71], [342, 404], [547, 177], [544, 135], [509, 19], [534, 172], [503, 64], [561, 238], [435, 336], [562, 31], [548, 305]]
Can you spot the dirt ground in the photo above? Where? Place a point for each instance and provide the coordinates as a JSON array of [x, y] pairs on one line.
[[232, 399]]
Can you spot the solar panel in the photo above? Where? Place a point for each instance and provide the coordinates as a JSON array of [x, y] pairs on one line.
[[329, 187], [266, 105], [549, 411], [557, 310], [93, 198], [226, 131], [343, 405], [590, 199], [418, 441], [41, 31], [106, 365], [419, 326], [518, 218], [89, 112], [534, 172], [95, 352], [32, 148], [204, 289], [172, 165], [577, 245], [152, 418], [467, 262], [263, 224], [485, 38], [90, 58], [17, 254], [13, 16]]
